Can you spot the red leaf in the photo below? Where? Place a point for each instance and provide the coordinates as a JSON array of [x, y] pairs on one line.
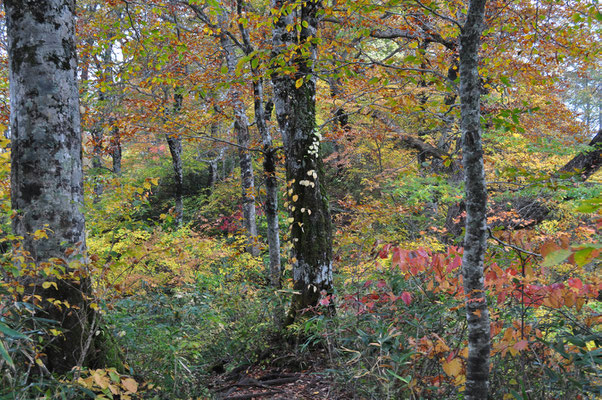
[[575, 283], [396, 259], [384, 253], [407, 298]]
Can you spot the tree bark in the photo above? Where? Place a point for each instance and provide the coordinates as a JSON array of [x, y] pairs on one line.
[[271, 183], [105, 74], [269, 162], [295, 104], [47, 175], [241, 126], [116, 150], [175, 148], [475, 240]]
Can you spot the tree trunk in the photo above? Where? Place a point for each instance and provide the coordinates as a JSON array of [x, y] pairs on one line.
[[175, 148], [588, 162], [106, 73], [241, 126], [116, 150], [271, 183], [475, 240], [47, 176], [269, 163], [295, 104]]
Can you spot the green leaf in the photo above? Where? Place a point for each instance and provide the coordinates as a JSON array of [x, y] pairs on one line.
[[590, 205], [11, 332], [556, 257], [5, 355], [583, 256]]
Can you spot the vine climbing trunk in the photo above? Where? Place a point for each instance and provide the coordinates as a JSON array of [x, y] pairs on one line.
[[475, 241], [46, 172], [295, 27]]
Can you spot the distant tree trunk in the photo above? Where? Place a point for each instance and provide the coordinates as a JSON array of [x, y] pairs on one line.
[[269, 161], [587, 162], [475, 241], [175, 148], [241, 126], [46, 172], [271, 183], [97, 149], [116, 150], [295, 104], [105, 73], [533, 211]]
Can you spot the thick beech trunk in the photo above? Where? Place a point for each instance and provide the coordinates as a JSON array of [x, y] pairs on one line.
[[295, 104], [475, 241], [241, 126], [46, 175]]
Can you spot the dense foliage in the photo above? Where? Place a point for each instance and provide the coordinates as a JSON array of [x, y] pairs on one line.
[[183, 282]]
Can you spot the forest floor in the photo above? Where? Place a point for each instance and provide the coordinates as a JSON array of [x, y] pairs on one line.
[[280, 379]]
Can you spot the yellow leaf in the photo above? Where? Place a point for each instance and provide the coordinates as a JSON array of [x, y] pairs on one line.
[[101, 379], [113, 389], [453, 368], [295, 197], [46, 285], [39, 234], [130, 385], [299, 82]]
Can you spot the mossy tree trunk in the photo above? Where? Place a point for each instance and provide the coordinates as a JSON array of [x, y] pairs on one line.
[[296, 25], [47, 177]]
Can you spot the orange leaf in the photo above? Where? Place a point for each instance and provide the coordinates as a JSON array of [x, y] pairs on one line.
[[548, 248], [521, 345], [453, 368]]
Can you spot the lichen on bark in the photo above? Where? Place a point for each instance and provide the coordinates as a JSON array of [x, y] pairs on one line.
[[46, 171]]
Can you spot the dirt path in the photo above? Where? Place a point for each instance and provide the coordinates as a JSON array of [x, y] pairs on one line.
[[277, 384]]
